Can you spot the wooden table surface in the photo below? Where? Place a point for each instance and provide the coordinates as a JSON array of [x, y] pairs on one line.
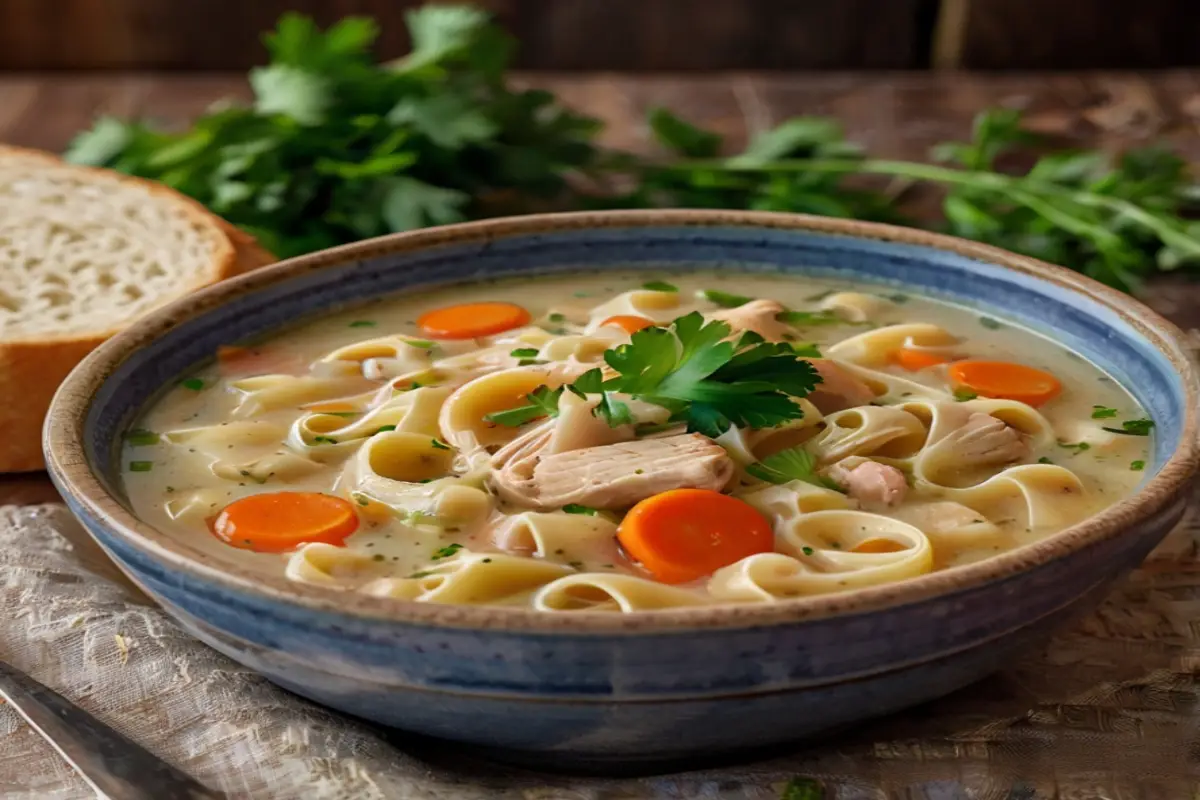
[[892, 114]]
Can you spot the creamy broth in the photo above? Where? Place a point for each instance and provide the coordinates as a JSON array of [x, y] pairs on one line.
[[920, 473]]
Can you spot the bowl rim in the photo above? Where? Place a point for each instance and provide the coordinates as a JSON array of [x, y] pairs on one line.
[[66, 461]]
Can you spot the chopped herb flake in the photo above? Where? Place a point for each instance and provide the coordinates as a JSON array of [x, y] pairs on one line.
[[1137, 466], [898, 298], [808, 318], [524, 352], [378, 557], [446, 552], [557, 318], [362, 323], [1044, 460], [1103, 412], [660, 286], [723, 299], [195, 384], [575, 564], [990, 324], [1134, 427], [362, 501], [422, 574], [385, 428], [487, 561], [529, 362], [437, 445], [141, 466], [1078, 447], [575, 508], [343, 414], [324, 440], [808, 551], [140, 437], [963, 395], [423, 344]]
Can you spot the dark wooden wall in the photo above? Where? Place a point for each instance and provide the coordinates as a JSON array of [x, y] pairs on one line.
[[637, 35]]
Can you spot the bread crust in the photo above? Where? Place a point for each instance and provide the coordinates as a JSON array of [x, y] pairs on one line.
[[32, 369]]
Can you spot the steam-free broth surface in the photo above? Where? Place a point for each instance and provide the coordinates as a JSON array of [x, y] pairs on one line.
[[631, 441]]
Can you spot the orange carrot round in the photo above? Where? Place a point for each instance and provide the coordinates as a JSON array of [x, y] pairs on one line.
[[686, 534], [472, 320], [915, 360], [1006, 380], [282, 521], [631, 323]]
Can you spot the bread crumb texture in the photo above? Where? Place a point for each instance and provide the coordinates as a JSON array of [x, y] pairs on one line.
[[86, 251]]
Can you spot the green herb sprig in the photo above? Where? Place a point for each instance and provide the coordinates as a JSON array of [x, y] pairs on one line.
[[337, 147]]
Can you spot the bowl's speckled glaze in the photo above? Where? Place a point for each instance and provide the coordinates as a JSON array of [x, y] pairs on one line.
[[595, 688]]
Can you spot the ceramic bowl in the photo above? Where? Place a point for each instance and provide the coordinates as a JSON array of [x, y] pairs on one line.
[[593, 687]]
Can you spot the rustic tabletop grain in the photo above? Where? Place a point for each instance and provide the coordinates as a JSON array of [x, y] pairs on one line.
[[1109, 708]]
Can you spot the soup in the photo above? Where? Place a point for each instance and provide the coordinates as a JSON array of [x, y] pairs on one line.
[[608, 443]]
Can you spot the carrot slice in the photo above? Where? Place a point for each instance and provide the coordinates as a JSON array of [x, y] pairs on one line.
[[472, 320], [915, 360], [281, 521], [1006, 380], [629, 322], [685, 534]]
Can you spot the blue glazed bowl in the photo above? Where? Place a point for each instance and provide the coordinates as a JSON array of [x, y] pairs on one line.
[[594, 688]]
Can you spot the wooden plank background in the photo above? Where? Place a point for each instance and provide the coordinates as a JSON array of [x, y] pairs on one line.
[[637, 35]]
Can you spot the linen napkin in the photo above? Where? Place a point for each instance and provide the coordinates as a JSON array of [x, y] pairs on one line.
[[1106, 710]]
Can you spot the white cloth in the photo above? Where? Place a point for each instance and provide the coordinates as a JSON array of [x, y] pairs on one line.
[[1107, 709]]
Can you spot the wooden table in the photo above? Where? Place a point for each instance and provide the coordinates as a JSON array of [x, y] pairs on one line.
[[892, 114]]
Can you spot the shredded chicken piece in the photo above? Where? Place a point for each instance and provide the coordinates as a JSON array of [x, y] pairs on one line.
[[869, 482], [758, 316], [986, 441], [838, 389], [612, 476]]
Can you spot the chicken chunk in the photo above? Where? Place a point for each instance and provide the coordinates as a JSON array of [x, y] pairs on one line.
[[613, 476], [870, 483], [986, 441], [758, 316], [838, 389]]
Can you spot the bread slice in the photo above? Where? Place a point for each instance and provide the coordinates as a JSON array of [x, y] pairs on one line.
[[84, 252]]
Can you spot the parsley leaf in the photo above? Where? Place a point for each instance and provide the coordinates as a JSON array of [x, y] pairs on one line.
[[543, 402], [524, 352], [439, 445], [962, 395], [660, 286], [803, 319], [1078, 447], [1134, 427], [1137, 466], [1103, 412], [793, 464], [575, 508], [140, 437], [447, 551], [723, 299]]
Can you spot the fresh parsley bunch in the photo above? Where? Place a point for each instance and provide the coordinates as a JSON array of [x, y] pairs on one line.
[[337, 147]]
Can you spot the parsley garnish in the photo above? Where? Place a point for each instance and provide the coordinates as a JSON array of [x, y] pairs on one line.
[[424, 344], [1077, 447], [693, 370], [195, 384], [660, 286], [803, 789], [575, 508], [963, 395], [577, 565], [343, 414], [141, 466], [557, 318], [524, 352], [362, 323], [1103, 412], [1044, 460], [543, 402], [378, 557], [793, 464], [324, 440], [529, 362], [438, 445], [385, 428], [425, 573], [140, 437], [362, 501], [723, 299], [897, 298], [1134, 427], [1137, 466], [808, 551], [446, 552], [990, 324]]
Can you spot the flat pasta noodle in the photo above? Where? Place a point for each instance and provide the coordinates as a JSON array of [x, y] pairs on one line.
[[612, 592], [559, 537], [658, 307], [875, 348], [263, 393], [473, 578], [1038, 497]]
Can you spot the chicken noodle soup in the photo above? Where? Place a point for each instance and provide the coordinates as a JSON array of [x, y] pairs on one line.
[[609, 443]]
